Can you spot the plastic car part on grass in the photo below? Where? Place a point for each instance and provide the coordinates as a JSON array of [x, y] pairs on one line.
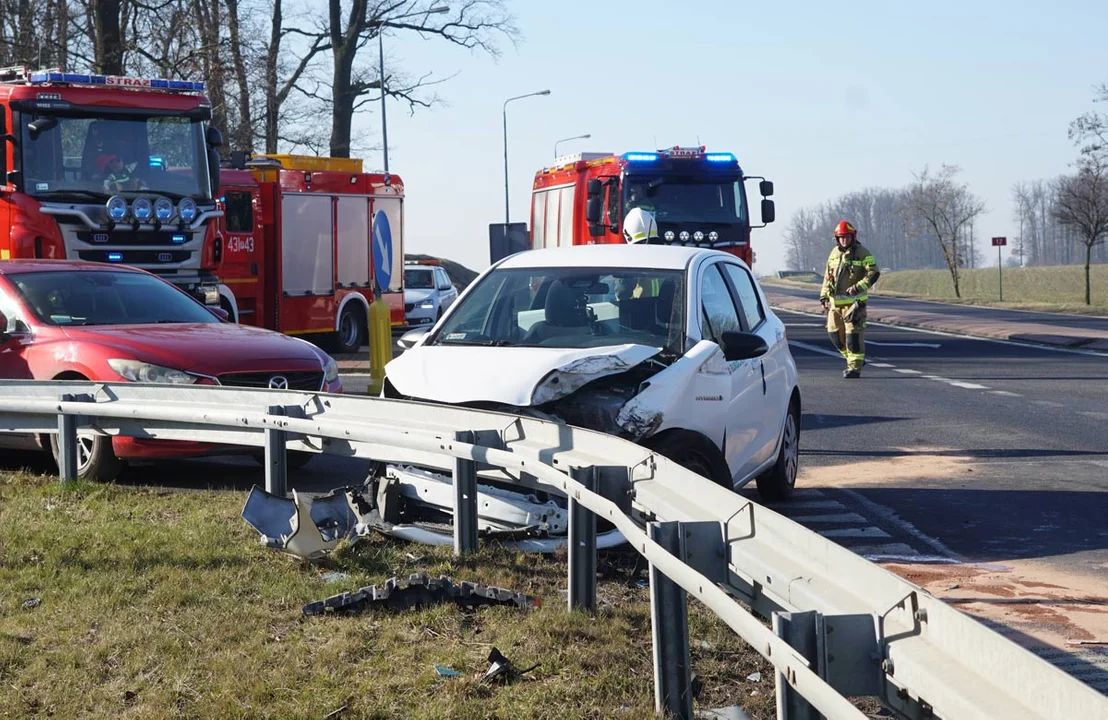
[[419, 590], [309, 529]]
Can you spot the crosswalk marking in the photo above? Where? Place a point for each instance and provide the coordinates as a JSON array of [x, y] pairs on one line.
[[847, 517], [866, 532]]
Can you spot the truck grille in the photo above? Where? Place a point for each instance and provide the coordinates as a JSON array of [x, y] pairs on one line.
[[298, 380], [143, 237], [136, 257]]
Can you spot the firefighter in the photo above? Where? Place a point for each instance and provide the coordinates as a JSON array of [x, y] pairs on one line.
[[639, 226], [851, 272]]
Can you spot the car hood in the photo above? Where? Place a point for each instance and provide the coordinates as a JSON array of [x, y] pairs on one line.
[[415, 296], [205, 348], [519, 376]]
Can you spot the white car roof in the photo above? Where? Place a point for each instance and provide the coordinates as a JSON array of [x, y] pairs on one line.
[[662, 257]]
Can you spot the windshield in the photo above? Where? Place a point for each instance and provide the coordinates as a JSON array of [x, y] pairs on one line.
[[418, 280], [106, 298], [91, 158], [571, 308], [687, 199]]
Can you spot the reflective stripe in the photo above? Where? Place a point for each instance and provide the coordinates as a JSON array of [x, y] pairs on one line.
[[841, 300], [854, 356]]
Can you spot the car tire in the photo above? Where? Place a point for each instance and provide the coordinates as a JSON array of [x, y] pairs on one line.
[[96, 460], [777, 483], [694, 452], [352, 332]]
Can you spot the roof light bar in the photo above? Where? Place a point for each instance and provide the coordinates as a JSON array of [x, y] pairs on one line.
[[40, 78], [720, 157], [640, 157]]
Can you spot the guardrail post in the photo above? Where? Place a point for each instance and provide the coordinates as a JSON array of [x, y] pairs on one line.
[[670, 630], [67, 444], [276, 457], [801, 630], [582, 545], [465, 499]]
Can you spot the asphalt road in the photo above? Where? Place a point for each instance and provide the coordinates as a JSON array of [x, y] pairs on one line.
[[968, 312]]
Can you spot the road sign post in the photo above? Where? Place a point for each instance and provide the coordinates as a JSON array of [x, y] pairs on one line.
[[380, 322], [1000, 242]]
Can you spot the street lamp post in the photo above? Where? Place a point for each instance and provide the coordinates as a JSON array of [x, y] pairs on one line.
[[575, 137], [381, 60], [507, 216]]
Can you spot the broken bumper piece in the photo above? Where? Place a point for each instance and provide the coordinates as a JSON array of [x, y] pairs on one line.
[[419, 591], [308, 529]]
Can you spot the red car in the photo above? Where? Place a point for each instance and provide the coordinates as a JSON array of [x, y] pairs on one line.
[[111, 323]]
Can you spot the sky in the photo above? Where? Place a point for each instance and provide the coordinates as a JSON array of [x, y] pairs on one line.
[[821, 98]]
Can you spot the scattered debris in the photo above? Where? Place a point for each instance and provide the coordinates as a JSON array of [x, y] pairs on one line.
[[309, 529], [1087, 642], [334, 576], [419, 590], [705, 645], [955, 586], [446, 672], [335, 713], [32, 603], [754, 677], [501, 668]]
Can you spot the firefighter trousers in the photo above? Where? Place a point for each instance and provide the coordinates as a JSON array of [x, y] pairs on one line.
[[846, 327]]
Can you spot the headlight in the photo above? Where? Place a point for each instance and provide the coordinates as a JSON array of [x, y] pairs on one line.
[[427, 305], [186, 209], [163, 208], [330, 370], [142, 209], [117, 208], [698, 236], [713, 236], [669, 235], [136, 371]]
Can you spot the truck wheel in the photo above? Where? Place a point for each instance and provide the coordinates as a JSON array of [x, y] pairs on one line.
[[779, 481], [96, 460], [352, 329]]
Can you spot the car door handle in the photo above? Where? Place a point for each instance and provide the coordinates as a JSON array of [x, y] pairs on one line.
[[763, 377]]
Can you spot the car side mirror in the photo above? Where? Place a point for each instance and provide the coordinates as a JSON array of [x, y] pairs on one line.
[[742, 345], [3, 326], [220, 313], [410, 338]]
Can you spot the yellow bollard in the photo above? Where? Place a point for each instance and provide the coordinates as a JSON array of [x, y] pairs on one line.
[[380, 343]]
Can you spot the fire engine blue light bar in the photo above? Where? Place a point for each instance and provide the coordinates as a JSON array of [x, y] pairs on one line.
[[115, 257], [178, 238], [116, 81], [640, 157], [719, 157]]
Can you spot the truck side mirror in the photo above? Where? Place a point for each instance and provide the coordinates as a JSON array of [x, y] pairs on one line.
[[766, 188], [768, 212], [214, 137], [239, 158], [593, 188], [213, 170], [592, 210]]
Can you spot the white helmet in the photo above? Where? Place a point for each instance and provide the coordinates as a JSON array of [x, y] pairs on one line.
[[639, 226]]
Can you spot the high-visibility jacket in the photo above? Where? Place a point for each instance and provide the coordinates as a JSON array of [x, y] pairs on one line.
[[854, 267]]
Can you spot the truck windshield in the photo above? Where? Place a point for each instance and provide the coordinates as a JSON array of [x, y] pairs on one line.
[[78, 158], [106, 297], [687, 198], [570, 307]]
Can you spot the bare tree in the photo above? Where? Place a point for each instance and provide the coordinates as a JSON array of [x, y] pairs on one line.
[[1082, 204], [1091, 129], [946, 209]]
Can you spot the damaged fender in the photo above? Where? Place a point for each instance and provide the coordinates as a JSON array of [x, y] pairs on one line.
[[702, 374]]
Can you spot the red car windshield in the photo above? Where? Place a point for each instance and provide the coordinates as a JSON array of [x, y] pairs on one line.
[[82, 297]]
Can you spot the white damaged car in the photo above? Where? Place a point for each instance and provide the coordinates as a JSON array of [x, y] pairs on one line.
[[674, 348]]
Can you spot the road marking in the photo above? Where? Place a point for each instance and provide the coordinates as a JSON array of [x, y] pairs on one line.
[[813, 348], [866, 532], [897, 552], [814, 505], [890, 516], [910, 344], [961, 336], [1047, 403], [908, 372], [882, 365], [967, 385], [1005, 393], [1097, 415]]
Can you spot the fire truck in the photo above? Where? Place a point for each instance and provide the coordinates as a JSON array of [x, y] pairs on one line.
[[295, 246], [698, 198], [109, 169]]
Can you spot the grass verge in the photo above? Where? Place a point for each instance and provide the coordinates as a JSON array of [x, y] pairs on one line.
[[1059, 288], [153, 604]]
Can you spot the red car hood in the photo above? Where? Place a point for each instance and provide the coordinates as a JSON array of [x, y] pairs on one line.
[[205, 348]]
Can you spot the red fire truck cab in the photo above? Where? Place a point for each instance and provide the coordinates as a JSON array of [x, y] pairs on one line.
[[109, 169], [296, 238], [698, 198]]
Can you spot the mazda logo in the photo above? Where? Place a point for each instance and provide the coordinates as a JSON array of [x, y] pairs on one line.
[[278, 382]]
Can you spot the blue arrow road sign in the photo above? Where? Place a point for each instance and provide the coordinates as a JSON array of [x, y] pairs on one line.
[[382, 251]]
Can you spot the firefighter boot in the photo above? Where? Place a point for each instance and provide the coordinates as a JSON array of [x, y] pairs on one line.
[[855, 355]]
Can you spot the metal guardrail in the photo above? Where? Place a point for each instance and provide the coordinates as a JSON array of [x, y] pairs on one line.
[[842, 626]]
